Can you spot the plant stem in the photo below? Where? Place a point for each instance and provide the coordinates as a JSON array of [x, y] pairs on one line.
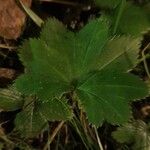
[[53, 135], [32, 15], [56, 131], [98, 139], [79, 129], [146, 57], [3, 136], [7, 47]]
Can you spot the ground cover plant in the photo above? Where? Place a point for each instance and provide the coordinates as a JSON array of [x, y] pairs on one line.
[[82, 78]]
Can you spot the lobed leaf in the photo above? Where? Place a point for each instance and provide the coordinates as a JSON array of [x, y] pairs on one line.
[[88, 63], [44, 75], [89, 43], [106, 95]]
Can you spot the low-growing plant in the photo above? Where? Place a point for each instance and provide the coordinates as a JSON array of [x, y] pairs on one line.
[[90, 68], [89, 65]]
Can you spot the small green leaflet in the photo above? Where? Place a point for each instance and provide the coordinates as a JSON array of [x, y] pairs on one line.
[[134, 20], [136, 134], [87, 63]]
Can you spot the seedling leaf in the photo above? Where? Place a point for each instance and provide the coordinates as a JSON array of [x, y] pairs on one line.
[[135, 133]]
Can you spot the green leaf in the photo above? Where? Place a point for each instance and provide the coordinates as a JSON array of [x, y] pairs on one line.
[[107, 3], [35, 115], [134, 20], [78, 50], [89, 43], [87, 63], [30, 121], [124, 134], [10, 100], [120, 53], [59, 41], [136, 133], [105, 95], [44, 75], [52, 62], [109, 88]]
